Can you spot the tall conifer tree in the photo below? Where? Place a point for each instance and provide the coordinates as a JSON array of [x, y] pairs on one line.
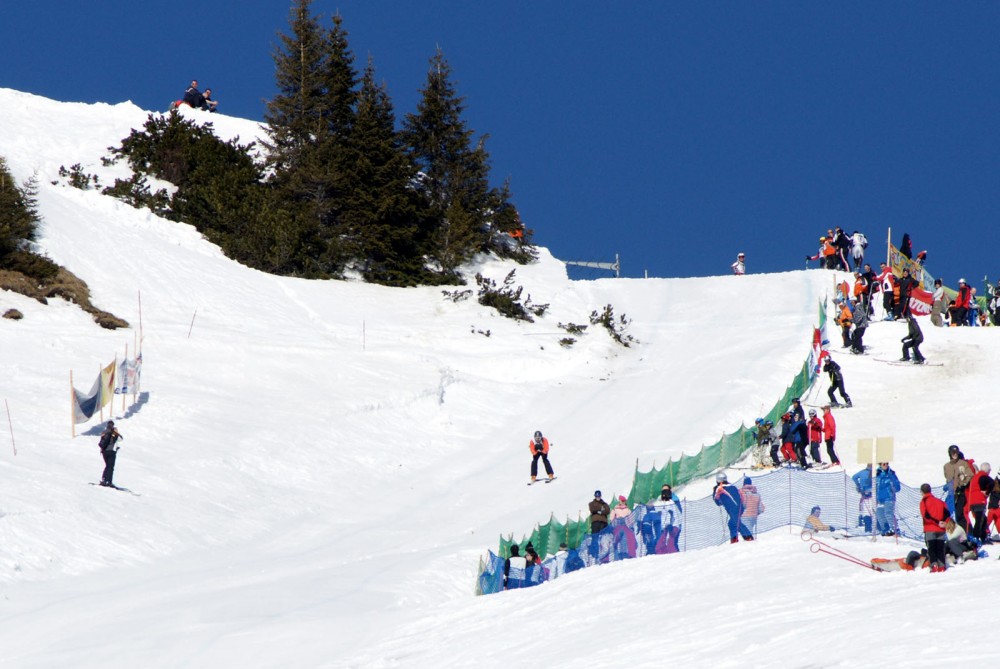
[[382, 208], [455, 172]]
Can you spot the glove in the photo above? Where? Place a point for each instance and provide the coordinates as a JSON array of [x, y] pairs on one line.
[[833, 529]]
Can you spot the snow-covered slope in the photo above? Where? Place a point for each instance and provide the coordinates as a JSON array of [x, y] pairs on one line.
[[322, 463]]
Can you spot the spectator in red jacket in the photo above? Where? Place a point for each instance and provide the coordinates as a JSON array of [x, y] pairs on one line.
[[934, 513], [979, 487], [960, 308], [830, 432], [815, 424], [539, 447], [993, 508]]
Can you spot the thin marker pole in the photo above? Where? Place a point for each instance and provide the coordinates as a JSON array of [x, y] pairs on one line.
[[12, 445], [192, 323]]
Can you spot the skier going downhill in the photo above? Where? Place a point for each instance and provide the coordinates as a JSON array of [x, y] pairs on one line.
[[539, 447]]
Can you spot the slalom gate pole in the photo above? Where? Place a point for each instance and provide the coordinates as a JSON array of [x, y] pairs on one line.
[[12, 445], [817, 546]]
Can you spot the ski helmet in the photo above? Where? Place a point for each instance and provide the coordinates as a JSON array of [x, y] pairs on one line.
[[538, 434], [953, 450], [721, 478], [812, 412]]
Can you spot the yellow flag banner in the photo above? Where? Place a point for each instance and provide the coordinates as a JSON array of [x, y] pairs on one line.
[[108, 384], [899, 262]]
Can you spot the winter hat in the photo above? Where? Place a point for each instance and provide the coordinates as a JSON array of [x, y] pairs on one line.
[[812, 412], [746, 480], [815, 510], [597, 493], [985, 467], [515, 551], [621, 498]]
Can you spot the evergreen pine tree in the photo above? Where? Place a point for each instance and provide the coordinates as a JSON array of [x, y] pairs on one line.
[[455, 173], [296, 125], [381, 211], [18, 213]]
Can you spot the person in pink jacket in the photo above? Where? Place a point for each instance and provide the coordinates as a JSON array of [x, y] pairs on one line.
[[752, 505]]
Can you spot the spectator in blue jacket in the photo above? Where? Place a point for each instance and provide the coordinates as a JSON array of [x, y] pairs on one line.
[[863, 482], [798, 433], [728, 497], [886, 487]]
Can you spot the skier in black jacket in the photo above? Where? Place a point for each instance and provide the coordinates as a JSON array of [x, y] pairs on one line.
[[836, 382], [109, 451], [912, 340]]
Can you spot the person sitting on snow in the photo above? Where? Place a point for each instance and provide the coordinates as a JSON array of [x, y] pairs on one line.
[[814, 523]]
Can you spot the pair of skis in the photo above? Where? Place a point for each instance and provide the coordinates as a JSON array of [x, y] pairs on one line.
[[116, 487], [543, 480]]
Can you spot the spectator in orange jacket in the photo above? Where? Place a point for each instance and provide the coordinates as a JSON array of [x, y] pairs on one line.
[[539, 446]]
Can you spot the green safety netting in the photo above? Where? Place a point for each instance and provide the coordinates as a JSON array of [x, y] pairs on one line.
[[646, 485]]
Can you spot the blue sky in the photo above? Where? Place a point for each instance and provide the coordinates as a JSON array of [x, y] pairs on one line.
[[673, 134]]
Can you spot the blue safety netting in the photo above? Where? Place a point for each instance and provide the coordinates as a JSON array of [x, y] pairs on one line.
[[788, 495]]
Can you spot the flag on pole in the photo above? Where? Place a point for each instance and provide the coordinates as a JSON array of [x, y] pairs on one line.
[[85, 404], [107, 384]]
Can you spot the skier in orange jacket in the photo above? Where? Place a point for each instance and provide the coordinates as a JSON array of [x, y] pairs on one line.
[[539, 447]]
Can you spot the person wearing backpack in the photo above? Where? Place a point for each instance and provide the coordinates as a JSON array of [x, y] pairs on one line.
[[109, 451]]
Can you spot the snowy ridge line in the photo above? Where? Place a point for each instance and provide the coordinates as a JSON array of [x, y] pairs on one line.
[[787, 498], [728, 450]]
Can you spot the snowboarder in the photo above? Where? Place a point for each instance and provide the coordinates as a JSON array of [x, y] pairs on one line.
[[739, 267], [109, 451], [539, 447], [912, 340], [728, 497], [836, 382]]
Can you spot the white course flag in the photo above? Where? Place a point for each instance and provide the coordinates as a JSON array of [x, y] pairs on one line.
[[128, 376]]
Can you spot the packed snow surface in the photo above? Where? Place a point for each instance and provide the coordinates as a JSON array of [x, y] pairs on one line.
[[322, 463]]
